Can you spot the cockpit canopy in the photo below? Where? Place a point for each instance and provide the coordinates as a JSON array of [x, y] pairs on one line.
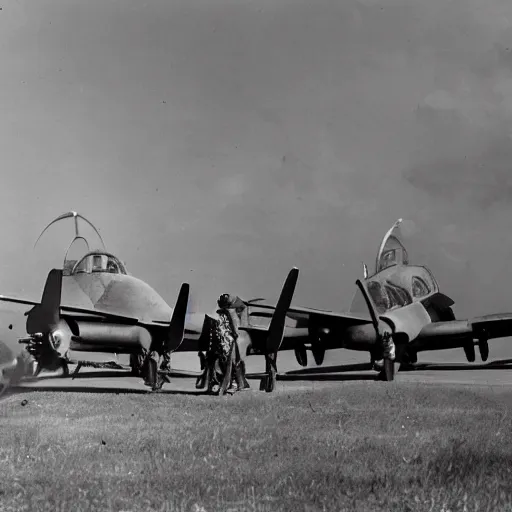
[[98, 261], [396, 287]]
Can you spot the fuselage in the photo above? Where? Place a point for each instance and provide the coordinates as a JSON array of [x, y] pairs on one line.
[[406, 298]]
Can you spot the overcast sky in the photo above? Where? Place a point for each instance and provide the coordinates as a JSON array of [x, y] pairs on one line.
[[222, 142]]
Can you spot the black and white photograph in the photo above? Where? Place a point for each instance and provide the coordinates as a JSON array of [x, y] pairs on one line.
[[255, 256]]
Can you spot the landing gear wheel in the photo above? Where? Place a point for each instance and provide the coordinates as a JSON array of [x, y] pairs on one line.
[[152, 373]]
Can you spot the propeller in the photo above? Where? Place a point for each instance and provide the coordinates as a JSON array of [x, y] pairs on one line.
[[173, 339], [45, 317], [42, 323], [383, 337], [176, 329], [276, 330]]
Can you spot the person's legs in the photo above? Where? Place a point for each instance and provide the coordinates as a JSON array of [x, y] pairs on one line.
[[240, 378]]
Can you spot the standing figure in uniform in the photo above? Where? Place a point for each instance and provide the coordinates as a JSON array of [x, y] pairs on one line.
[[223, 366]]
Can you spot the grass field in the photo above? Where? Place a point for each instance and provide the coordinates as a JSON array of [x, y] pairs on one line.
[[355, 446]]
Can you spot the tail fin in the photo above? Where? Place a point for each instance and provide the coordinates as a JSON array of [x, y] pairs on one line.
[[45, 316], [277, 323], [176, 330]]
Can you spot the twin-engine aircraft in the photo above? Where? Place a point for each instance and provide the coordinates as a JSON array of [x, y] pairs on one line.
[[94, 305], [396, 312]]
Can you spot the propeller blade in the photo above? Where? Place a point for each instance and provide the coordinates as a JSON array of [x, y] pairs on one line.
[[45, 317], [277, 324], [371, 306], [385, 339], [276, 330], [176, 330]]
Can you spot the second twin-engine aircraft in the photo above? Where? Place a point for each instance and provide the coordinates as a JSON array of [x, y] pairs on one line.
[[92, 304], [396, 312]]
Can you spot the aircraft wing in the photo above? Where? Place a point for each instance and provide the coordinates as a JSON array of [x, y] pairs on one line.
[[85, 312], [493, 326], [465, 334], [308, 319], [303, 313], [489, 327], [5, 298]]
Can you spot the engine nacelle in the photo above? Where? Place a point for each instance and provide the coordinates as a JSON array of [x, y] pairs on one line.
[[91, 336]]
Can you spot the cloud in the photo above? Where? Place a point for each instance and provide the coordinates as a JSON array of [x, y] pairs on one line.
[[235, 139]]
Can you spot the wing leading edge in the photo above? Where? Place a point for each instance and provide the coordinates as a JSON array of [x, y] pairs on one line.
[[75, 311], [299, 312], [465, 334]]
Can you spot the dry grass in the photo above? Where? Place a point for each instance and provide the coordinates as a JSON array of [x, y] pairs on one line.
[[353, 446]]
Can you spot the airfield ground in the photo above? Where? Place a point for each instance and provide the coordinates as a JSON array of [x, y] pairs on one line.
[[355, 445]]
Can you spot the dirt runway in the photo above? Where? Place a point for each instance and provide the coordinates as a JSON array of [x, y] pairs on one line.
[[495, 372]]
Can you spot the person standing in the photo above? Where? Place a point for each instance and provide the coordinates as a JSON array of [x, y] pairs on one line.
[[224, 363]]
